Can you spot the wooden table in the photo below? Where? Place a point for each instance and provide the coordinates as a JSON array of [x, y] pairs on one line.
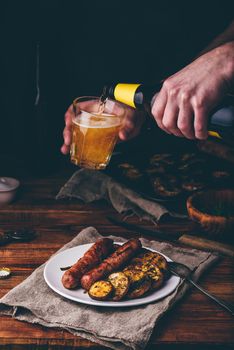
[[194, 323]]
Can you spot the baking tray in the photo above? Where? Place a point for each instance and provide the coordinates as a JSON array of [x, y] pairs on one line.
[[140, 160]]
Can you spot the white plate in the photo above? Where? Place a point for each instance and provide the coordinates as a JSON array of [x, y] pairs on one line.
[[53, 275]]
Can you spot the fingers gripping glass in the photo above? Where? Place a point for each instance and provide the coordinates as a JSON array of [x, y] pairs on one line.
[[95, 128]]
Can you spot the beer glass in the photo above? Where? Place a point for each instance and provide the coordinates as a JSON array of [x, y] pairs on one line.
[[95, 128]]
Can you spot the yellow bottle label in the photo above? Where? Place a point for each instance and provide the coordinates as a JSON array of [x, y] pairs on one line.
[[125, 93], [214, 134]]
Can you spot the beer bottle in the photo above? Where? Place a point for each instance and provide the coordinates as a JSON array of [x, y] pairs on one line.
[[221, 121], [135, 95]]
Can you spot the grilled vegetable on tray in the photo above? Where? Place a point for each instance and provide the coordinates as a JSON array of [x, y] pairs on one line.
[[165, 187], [130, 172], [167, 176]]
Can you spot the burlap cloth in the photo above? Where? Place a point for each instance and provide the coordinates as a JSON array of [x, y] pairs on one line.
[[128, 328], [91, 185]]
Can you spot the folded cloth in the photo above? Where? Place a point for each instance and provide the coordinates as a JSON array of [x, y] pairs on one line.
[[90, 185], [121, 329]]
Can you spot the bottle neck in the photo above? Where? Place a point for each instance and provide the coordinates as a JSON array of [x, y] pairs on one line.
[[144, 95], [126, 93], [133, 95]]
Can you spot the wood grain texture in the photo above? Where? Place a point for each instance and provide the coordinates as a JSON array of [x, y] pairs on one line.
[[195, 321]]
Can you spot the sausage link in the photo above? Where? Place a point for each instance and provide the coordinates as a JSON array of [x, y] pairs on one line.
[[94, 256], [112, 263]]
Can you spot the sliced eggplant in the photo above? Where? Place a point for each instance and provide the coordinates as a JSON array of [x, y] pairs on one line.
[[121, 285], [139, 290], [135, 276], [155, 259], [101, 290], [154, 273]]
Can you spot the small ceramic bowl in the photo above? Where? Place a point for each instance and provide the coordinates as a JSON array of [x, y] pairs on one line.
[[213, 210], [8, 189]]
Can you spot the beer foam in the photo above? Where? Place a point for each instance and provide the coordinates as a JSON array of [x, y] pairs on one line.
[[95, 120]]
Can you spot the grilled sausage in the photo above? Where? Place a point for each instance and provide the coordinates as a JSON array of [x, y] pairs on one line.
[[121, 256], [99, 250]]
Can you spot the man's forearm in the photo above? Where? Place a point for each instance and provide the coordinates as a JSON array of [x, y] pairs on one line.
[[224, 42], [223, 38]]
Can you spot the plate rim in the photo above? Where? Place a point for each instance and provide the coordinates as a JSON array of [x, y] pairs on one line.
[[92, 302]]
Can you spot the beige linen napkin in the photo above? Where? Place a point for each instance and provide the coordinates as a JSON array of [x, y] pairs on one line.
[[121, 329]]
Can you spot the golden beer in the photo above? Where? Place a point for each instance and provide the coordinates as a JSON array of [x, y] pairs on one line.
[[93, 139]]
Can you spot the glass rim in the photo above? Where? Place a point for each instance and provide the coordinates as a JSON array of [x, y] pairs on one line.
[[81, 98], [84, 97]]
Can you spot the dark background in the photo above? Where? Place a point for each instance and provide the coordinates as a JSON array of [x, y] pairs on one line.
[[81, 45]]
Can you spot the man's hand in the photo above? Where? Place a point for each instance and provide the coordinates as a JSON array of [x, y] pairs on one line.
[[131, 127], [186, 99], [132, 124], [67, 132]]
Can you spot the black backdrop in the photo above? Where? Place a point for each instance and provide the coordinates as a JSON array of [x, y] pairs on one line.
[[80, 45]]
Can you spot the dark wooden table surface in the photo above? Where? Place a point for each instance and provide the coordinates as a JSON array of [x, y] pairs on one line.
[[194, 323]]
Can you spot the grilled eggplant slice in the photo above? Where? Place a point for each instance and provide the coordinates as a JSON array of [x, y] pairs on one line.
[[155, 259], [101, 290], [121, 284], [154, 273], [150, 258], [154, 267], [139, 290], [135, 276]]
